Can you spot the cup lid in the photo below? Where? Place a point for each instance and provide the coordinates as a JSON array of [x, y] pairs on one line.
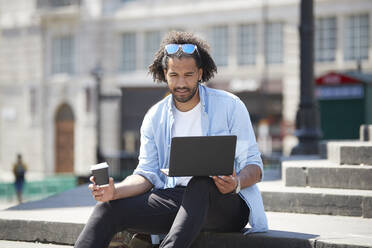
[[99, 166]]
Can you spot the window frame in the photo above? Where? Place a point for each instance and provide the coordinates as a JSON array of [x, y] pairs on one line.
[[247, 44], [128, 45], [353, 47], [325, 39], [219, 43], [62, 54], [273, 45]]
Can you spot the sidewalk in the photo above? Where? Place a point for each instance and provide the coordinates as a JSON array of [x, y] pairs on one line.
[[59, 219], [18, 244], [7, 204]]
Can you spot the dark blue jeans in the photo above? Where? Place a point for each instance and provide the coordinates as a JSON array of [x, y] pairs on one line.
[[182, 212]]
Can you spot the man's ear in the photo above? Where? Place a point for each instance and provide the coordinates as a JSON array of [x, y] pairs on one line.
[[200, 74], [165, 74]]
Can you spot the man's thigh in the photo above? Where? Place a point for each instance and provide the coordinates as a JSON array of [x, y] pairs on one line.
[[152, 212], [226, 212]]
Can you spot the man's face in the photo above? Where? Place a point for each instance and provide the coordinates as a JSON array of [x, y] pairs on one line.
[[182, 78]]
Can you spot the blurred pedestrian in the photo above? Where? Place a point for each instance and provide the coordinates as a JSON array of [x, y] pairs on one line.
[[19, 171]]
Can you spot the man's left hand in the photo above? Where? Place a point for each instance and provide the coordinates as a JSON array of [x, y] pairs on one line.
[[226, 184]]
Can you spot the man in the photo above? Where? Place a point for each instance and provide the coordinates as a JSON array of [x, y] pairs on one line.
[[150, 202], [19, 171]]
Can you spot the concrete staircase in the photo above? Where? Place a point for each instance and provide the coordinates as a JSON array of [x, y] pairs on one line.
[[338, 183], [321, 202]]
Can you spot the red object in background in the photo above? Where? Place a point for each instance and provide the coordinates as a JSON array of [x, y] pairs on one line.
[[333, 78]]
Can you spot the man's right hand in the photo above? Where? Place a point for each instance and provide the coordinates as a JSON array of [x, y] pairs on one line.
[[102, 194]]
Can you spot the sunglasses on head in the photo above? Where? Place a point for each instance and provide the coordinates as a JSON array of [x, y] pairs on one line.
[[186, 48]]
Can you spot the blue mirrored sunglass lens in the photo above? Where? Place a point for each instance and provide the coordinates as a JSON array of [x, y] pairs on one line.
[[171, 48], [188, 48]]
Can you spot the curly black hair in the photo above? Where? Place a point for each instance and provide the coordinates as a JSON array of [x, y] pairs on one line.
[[203, 59]]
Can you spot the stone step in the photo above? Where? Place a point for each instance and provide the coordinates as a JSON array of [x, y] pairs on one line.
[[19, 244], [348, 152], [326, 201], [286, 230], [59, 220], [326, 174]]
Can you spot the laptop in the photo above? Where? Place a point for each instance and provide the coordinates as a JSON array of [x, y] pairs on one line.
[[201, 156]]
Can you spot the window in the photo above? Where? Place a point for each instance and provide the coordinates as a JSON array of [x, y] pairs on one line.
[[273, 43], [356, 40], [219, 45], [62, 54], [247, 45], [129, 52], [152, 42], [325, 39]]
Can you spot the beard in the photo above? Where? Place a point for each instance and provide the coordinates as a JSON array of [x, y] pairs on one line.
[[187, 97]]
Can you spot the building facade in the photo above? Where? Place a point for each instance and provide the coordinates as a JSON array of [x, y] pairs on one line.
[[49, 48]]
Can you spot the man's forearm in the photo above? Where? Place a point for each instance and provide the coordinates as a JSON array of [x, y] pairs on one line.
[[249, 175], [131, 186]]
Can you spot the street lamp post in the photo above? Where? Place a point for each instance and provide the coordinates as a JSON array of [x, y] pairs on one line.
[[97, 73], [307, 118]]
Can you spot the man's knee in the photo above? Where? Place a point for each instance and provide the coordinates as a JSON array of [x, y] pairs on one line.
[[105, 214], [103, 210]]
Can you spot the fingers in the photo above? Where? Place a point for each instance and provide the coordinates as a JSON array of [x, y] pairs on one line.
[[92, 179], [93, 187], [224, 179], [225, 184], [219, 183], [96, 189], [98, 192]]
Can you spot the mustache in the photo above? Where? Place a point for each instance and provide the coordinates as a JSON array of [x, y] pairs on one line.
[[181, 88]]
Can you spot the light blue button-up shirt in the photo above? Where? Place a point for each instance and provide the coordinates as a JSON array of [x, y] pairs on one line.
[[222, 114]]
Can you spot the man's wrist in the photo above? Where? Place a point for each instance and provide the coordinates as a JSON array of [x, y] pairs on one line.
[[238, 187], [114, 194]]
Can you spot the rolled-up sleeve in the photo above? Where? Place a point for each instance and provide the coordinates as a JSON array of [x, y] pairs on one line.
[[247, 152], [148, 165]]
